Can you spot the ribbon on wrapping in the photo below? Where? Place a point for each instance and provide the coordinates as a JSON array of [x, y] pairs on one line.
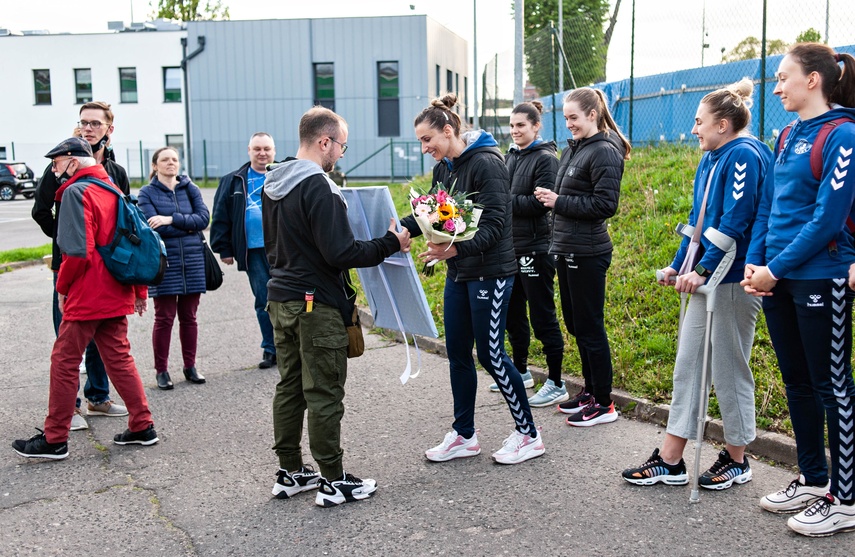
[[401, 262]]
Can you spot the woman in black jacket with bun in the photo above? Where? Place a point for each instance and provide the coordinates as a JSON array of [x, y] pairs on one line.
[[587, 193], [478, 284]]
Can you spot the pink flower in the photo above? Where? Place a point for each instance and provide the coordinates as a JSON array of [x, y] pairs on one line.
[[448, 225], [441, 196]]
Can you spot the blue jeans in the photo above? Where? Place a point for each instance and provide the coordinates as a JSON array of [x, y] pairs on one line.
[[810, 325], [476, 313], [258, 271], [97, 387]]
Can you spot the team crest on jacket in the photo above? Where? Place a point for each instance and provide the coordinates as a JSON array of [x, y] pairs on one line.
[[802, 147]]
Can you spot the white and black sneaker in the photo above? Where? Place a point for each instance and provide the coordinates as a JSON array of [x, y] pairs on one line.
[[37, 446], [346, 489], [146, 437], [795, 497], [824, 517], [288, 485]]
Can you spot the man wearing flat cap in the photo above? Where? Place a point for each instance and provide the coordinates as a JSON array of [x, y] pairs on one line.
[[95, 126], [94, 305]]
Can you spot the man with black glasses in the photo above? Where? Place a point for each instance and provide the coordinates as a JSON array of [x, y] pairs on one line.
[[95, 125]]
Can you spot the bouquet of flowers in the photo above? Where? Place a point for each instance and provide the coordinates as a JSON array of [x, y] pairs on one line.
[[444, 216]]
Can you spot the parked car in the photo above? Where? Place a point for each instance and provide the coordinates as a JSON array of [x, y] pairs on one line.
[[15, 178]]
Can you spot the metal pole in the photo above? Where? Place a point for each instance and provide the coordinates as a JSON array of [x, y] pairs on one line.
[[561, 42], [632, 71], [552, 74], [476, 124], [391, 161], [205, 158], [703, 32], [826, 21], [519, 13], [762, 108], [142, 165], [13, 150]]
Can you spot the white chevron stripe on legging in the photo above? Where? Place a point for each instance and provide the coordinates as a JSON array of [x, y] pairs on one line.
[[496, 360], [839, 379]]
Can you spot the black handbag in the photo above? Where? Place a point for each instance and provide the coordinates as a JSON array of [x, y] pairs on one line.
[[213, 273]]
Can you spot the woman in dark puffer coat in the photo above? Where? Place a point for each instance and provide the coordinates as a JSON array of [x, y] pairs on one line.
[[174, 207]]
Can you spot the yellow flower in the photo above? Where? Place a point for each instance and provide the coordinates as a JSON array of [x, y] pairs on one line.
[[447, 211]]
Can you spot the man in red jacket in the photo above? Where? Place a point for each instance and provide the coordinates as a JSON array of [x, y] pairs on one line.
[[93, 303]]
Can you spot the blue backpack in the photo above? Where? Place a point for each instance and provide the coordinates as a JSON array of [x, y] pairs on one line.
[[137, 254]]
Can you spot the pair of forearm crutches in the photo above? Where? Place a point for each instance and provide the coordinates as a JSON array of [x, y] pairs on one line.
[[728, 246]]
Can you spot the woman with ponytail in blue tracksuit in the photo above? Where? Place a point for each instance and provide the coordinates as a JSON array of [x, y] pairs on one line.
[[798, 261], [735, 170]]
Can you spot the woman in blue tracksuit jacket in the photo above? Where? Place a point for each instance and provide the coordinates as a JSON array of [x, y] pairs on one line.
[[175, 209], [735, 168], [798, 260]]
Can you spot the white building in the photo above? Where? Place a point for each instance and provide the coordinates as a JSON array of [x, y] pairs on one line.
[[243, 77], [48, 77]]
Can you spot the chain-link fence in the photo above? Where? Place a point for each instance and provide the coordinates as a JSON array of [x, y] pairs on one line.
[[659, 58]]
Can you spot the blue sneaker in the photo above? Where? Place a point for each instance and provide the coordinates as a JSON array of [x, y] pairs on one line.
[[549, 394], [528, 381]]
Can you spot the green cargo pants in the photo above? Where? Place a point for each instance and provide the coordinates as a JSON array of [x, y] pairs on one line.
[[311, 352]]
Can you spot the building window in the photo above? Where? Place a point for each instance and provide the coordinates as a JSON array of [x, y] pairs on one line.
[[83, 85], [41, 82], [325, 85], [388, 111], [172, 85], [437, 80], [3, 153], [128, 85], [176, 141], [449, 81]]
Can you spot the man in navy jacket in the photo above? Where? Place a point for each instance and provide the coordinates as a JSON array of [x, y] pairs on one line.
[[236, 231]]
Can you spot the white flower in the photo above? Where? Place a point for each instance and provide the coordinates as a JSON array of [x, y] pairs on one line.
[[422, 210], [459, 226]]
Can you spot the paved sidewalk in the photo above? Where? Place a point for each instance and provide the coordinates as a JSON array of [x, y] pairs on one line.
[[205, 488]]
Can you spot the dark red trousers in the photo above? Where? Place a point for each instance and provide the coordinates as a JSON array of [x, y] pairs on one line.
[[111, 337]]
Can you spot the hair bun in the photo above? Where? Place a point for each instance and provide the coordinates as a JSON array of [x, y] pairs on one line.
[[448, 101], [538, 105]]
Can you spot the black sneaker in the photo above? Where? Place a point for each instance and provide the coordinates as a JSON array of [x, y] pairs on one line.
[[346, 489], [577, 403], [38, 447], [147, 436], [287, 485], [657, 470], [725, 472], [268, 360]]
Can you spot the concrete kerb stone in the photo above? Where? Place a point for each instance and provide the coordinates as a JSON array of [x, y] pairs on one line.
[[8, 267], [769, 445]]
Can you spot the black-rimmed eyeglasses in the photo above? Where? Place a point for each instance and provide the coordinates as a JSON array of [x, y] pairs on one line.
[[343, 145]]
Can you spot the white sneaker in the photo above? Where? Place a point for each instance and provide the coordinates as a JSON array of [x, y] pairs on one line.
[[454, 446], [519, 447], [78, 422], [549, 394], [794, 498], [826, 516], [528, 382]]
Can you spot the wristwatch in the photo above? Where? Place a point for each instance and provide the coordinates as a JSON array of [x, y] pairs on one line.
[[703, 271]]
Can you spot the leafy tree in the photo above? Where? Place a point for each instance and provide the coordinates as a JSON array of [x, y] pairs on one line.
[[749, 48], [811, 35], [586, 39], [191, 10]]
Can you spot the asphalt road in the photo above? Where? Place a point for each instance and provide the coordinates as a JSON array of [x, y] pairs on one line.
[[205, 488]]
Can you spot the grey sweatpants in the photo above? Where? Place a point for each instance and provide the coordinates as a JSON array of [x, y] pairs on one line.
[[734, 317]]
